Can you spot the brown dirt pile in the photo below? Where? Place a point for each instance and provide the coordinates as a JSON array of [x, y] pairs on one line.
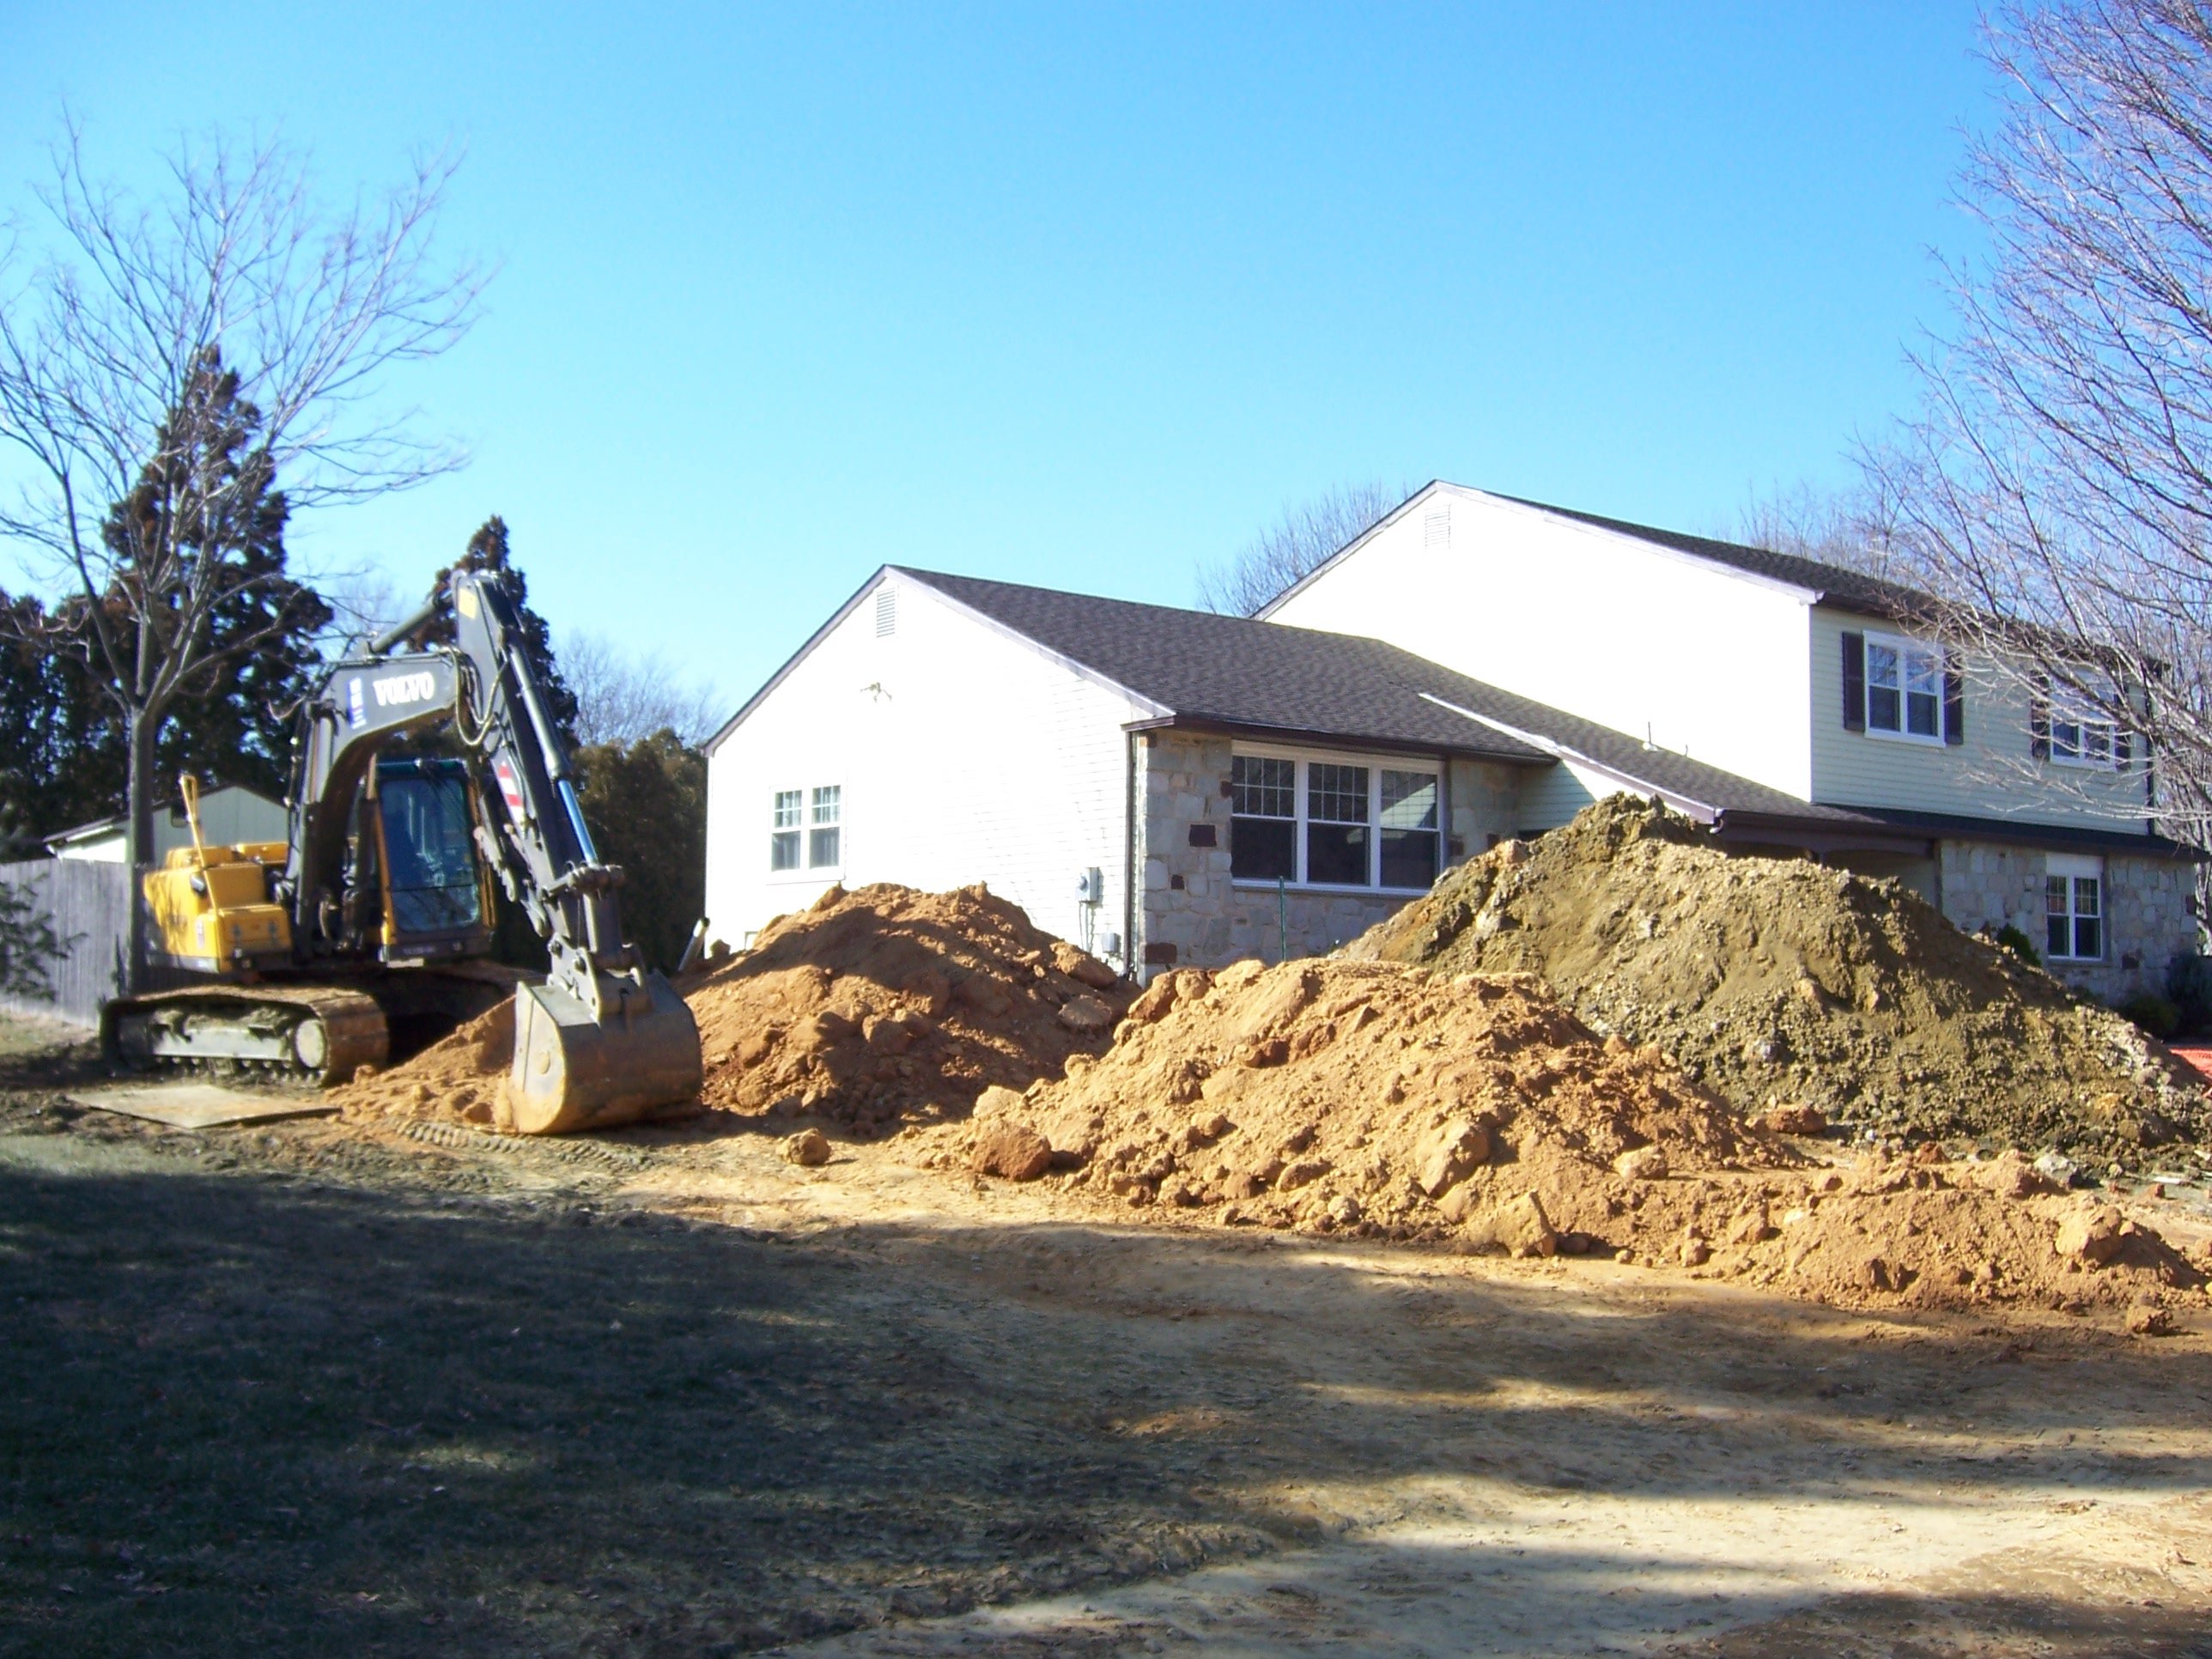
[[887, 1004], [460, 1079], [1781, 983], [1372, 1100]]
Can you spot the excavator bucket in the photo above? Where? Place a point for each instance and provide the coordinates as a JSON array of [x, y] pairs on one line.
[[572, 1071]]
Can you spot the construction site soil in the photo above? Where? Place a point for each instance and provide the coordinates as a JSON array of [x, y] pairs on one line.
[[1781, 983], [870, 1009], [1370, 1100], [1478, 1111]]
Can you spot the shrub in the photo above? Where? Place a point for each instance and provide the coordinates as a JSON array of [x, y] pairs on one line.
[[2153, 1012], [2189, 989], [2011, 939]]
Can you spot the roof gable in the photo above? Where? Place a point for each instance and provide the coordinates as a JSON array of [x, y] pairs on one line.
[[1829, 584]]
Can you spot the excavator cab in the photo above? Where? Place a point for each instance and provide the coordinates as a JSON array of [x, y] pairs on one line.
[[437, 895]]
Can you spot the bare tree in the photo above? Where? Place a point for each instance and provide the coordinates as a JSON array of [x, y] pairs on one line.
[[1296, 545], [182, 356], [2055, 489], [624, 699], [1854, 527]]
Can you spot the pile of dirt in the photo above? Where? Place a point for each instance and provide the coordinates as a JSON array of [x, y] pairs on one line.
[[887, 1004], [1782, 982], [1374, 1100], [460, 1079]]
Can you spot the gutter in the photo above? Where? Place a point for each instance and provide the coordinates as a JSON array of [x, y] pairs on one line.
[[1129, 857]]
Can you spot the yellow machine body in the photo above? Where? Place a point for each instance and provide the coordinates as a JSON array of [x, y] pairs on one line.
[[211, 912]]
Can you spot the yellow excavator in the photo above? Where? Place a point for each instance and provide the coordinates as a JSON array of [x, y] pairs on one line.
[[302, 958]]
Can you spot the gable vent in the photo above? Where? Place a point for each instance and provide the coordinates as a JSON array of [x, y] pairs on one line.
[[886, 613], [1436, 528]]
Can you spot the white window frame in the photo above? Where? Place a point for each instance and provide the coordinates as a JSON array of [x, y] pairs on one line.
[[2076, 869], [825, 815], [2077, 752], [1376, 765], [795, 827], [2089, 731], [1906, 650], [806, 822]]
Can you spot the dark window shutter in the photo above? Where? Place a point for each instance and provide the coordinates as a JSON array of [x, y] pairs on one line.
[[2039, 722], [1954, 706], [1854, 682]]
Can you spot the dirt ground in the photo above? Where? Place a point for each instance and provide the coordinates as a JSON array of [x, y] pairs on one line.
[[308, 1388]]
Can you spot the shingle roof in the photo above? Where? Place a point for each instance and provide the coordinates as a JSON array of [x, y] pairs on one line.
[[1686, 782], [1233, 672], [1852, 590]]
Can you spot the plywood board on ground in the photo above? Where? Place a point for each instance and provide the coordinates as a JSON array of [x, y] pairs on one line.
[[199, 1105]]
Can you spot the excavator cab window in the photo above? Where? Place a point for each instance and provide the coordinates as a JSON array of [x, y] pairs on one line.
[[429, 855]]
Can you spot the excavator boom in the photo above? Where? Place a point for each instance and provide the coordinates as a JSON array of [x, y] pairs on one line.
[[380, 884]]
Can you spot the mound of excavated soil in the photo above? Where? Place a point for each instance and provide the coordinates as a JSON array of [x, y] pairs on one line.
[[1781, 983], [885, 1004], [1374, 1100], [460, 1078]]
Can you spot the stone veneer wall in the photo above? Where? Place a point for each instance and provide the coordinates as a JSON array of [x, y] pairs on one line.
[[2147, 915], [1190, 912]]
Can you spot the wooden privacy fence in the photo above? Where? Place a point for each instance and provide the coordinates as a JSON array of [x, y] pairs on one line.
[[87, 906]]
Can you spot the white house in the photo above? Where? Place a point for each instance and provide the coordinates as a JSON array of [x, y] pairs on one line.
[[1815, 681], [1171, 787]]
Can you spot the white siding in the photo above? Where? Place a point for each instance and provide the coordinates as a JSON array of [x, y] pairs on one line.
[[1992, 773], [1699, 658], [964, 754]]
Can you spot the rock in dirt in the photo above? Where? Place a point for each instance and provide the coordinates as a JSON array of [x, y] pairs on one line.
[[1011, 1151], [1642, 1164], [1793, 1120], [2009, 1174], [809, 1149], [1520, 1227], [885, 1005], [1461, 1148], [1082, 967], [1771, 977], [1086, 1014], [2148, 1319], [2093, 1235]]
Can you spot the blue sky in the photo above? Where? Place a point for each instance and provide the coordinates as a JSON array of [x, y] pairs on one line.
[[1079, 296]]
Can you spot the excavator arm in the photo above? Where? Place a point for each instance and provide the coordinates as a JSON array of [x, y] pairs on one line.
[[605, 1038]]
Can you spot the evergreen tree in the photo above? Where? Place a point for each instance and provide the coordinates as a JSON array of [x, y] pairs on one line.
[[645, 803], [488, 550], [232, 723], [68, 676]]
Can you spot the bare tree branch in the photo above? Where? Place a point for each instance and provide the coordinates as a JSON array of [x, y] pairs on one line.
[[1296, 543], [164, 363], [622, 699], [2054, 490]]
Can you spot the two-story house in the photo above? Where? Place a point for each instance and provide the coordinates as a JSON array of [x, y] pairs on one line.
[[1174, 786]]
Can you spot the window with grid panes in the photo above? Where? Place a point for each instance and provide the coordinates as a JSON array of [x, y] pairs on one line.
[[783, 837], [1337, 825], [823, 847], [1904, 688], [2074, 917], [1263, 818]]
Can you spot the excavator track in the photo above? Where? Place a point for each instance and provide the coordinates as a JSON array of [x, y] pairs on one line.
[[318, 1034]]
